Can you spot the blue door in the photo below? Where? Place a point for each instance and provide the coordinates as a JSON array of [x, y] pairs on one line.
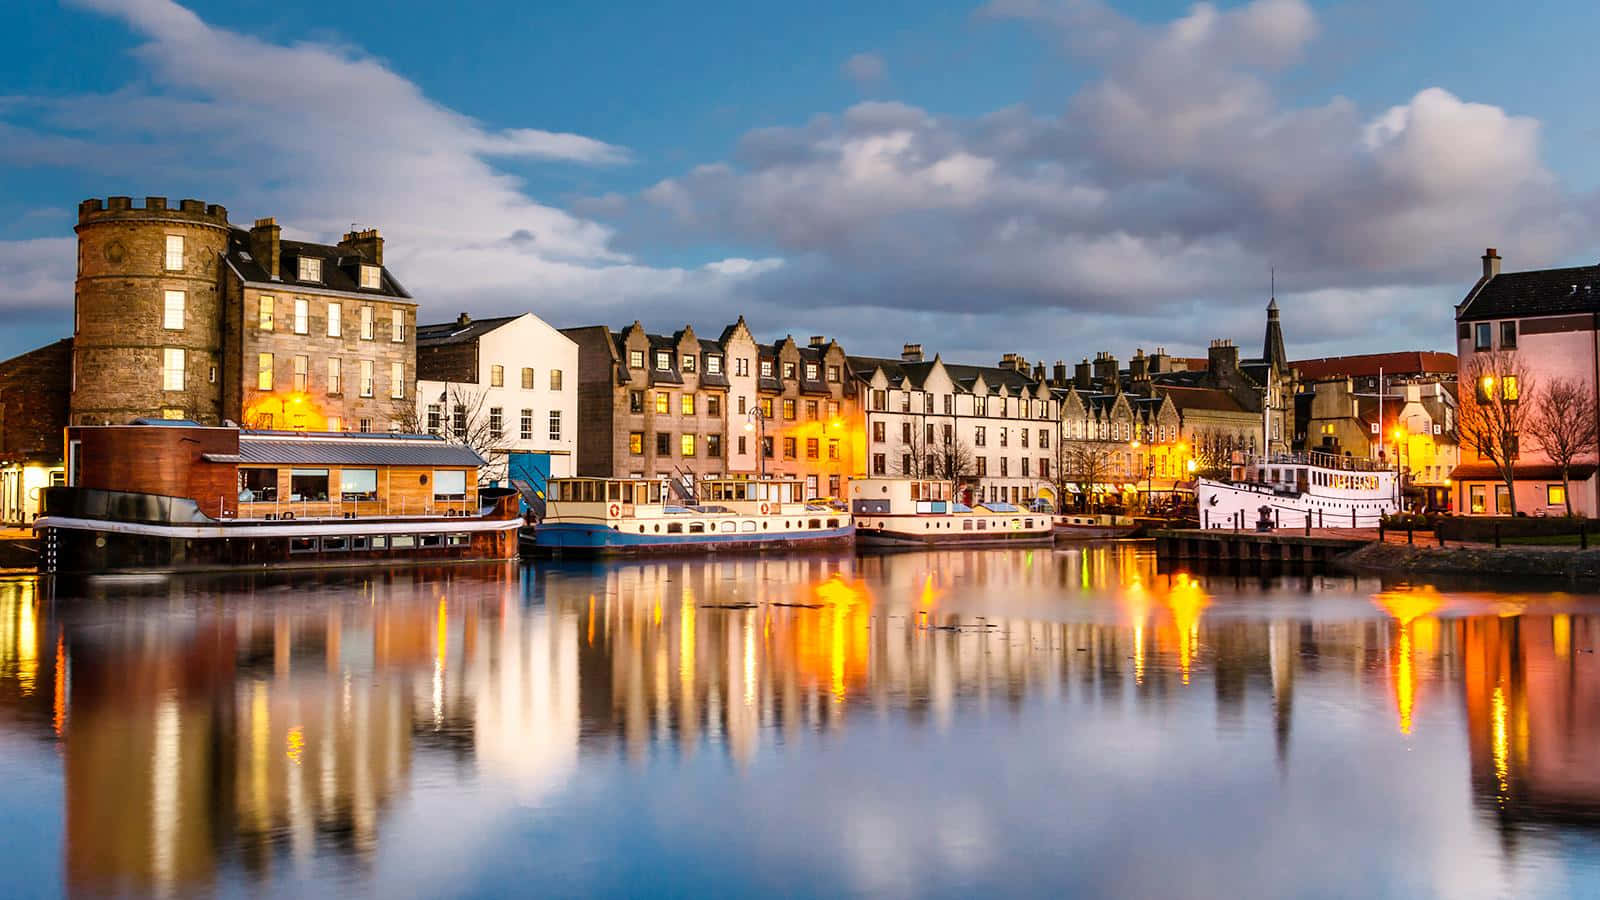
[[529, 473]]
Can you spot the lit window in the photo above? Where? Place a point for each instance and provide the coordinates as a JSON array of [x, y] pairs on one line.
[[635, 359], [310, 269], [686, 445], [788, 371], [264, 314], [172, 314], [714, 365], [366, 378], [811, 371], [636, 443], [788, 409], [333, 374], [662, 401], [555, 424], [1555, 495], [397, 326], [174, 260], [686, 404], [397, 381], [302, 368], [766, 368], [172, 368], [335, 324], [302, 315], [555, 379], [527, 379], [264, 371], [335, 423], [371, 277], [366, 323], [688, 363], [663, 360], [1508, 388], [497, 376], [169, 412]]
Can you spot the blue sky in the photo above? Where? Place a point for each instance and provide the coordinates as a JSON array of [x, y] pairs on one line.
[[1052, 177]]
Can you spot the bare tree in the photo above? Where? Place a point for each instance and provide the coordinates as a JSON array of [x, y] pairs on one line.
[[955, 463], [1213, 450], [919, 457], [1562, 422], [464, 418], [1492, 416], [1087, 463]]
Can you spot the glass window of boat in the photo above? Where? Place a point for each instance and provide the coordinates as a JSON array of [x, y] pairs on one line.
[[449, 484], [258, 485], [308, 485], [358, 484]]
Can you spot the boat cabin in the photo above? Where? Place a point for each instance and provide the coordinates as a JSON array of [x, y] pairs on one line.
[[880, 496], [626, 495]]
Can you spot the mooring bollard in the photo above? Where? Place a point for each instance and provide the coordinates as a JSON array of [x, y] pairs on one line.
[[1583, 535], [1308, 523], [1497, 535], [1440, 535], [1408, 532], [1380, 531]]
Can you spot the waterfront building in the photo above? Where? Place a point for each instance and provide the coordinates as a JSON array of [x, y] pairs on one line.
[[1412, 424], [500, 385], [1536, 329], [1119, 436], [34, 388], [179, 314], [993, 431]]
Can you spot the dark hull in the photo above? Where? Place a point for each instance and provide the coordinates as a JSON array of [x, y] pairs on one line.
[[1093, 533], [584, 541], [887, 540]]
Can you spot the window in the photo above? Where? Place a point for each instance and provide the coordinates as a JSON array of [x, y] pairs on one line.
[[813, 448], [790, 447], [663, 403], [833, 448], [950, 404], [1025, 467], [172, 313], [663, 361], [636, 443], [449, 484], [172, 368], [927, 403], [174, 257], [310, 269], [663, 443], [688, 362], [743, 447], [397, 381], [171, 412], [879, 464], [636, 401], [264, 371], [264, 313], [497, 423], [308, 484], [397, 326], [788, 410], [1044, 438], [949, 435], [527, 379], [1023, 433], [302, 315], [555, 379], [555, 424], [1483, 337], [525, 425], [686, 445], [766, 407], [434, 415], [335, 423], [741, 366], [713, 364], [878, 432], [905, 432], [371, 277], [358, 484], [1502, 500], [980, 437], [811, 410], [1509, 390], [635, 359], [367, 326], [458, 421], [788, 371], [1002, 437], [1003, 462], [766, 447], [334, 366], [812, 371], [366, 378], [742, 407], [1508, 335], [256, 485], [686, 404], [335, 320], [1478, 506], [880, 400], [833, 374], [302, 372], [714, 446], [983, 466], [1555, 495], [714, 405], [766, 368]]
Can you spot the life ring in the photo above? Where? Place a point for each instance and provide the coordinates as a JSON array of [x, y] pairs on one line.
[[615, 510], [763, 509]]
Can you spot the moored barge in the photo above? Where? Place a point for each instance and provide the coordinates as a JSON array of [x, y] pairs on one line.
[[909, 513]]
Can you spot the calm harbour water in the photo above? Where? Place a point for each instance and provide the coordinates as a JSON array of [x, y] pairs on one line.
[[1066, 722]]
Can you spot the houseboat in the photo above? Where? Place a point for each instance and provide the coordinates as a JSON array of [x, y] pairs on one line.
[[1091, 526], [1323, 490], [632, 515], [174, 496], [911, 513]]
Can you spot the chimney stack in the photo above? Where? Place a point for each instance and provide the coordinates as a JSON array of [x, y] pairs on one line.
[[819, 341], [264, 237], [1136, 366], [1491, 263], [1222, 358], [366, 244], [1083, 376], [463, 320], [911, 353], [1059, 377], [1158, 362], [1105, 368]]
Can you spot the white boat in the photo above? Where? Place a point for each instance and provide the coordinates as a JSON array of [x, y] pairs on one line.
[[1290, 490], [910, 512], [631, 515], [1092, 526]]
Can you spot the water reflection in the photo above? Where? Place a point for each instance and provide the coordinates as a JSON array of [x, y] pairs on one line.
[[217, 734]]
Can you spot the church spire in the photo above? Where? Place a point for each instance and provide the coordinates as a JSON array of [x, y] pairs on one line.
[[1272, 351]]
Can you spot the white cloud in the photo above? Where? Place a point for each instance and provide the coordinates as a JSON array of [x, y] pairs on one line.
[[865, 69]]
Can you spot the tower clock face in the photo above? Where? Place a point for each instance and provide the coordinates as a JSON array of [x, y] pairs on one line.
[[116, 252]]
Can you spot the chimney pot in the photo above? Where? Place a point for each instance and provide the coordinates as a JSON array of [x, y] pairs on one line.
[[911, 353], [463, 320], [1491, 263], [264, 242]]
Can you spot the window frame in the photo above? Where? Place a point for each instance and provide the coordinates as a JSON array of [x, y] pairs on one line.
[[167, 310]]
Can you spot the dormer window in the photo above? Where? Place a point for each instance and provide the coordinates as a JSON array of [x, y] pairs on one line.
[[310, 268], [766, 368], [788, 371], [811, 371], [688, 362], [371, 277], [663, 361], [714, 365]]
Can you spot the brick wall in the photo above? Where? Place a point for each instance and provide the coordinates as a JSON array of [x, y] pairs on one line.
[[34, 392]]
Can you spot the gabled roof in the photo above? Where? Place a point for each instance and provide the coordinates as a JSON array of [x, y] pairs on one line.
[[1541, 292], [340, 267], [1405, 362], [456, 333], [1214, 399]]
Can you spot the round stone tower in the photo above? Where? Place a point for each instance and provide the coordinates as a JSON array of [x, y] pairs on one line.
[[147, 335]]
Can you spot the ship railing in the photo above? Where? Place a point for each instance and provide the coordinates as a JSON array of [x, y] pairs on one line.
[[1319, 460], [358, 508]]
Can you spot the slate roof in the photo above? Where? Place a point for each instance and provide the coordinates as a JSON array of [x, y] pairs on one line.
[[454, 332], [1408, 362], [1203, 398], [340, 267], [1530, 472], [900, 373], [1541, 292], [298, 448]]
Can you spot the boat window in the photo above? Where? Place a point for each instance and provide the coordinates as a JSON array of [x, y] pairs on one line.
[[816, 523], [359, 542], [358, 484], [449, 484], [334, 544], [431, 540], [1029, 523], [747, 526], [966, 525], [983, 525], [674, 528], [308, 484], [257, 485], [833, 523], [729, 526], [302, 545], [457, 540], [697, 528], [403, 541], [613, 490], [380, 542]]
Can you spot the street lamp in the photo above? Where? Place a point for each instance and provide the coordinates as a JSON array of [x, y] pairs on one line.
[[756, 420]]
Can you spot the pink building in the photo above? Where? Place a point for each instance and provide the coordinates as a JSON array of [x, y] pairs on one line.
[[1550, 318]]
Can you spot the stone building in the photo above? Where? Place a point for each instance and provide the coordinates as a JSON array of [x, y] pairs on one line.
[[501, 385], [807, 424], [179, 314], [34, 389]]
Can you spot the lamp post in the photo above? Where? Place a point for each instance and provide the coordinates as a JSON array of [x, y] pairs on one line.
[[756, 420]]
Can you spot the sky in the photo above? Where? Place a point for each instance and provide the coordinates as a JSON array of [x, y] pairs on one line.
[[1045, 177]]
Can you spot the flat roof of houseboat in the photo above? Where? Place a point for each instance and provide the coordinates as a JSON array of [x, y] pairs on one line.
[[350, 449]]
